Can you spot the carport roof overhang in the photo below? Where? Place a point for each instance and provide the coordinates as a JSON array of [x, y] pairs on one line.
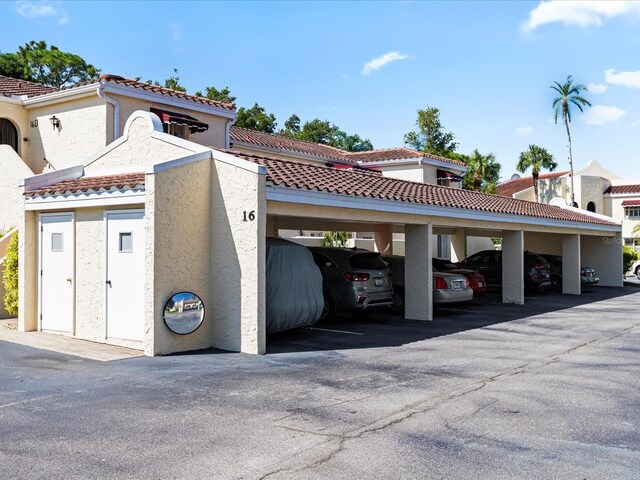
[[329, 207]]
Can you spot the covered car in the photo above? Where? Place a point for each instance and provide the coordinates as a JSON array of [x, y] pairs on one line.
[[293, 286]]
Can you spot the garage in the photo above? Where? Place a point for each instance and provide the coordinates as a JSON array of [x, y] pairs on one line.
[[154, 215]]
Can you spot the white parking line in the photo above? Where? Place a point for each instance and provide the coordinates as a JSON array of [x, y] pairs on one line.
[[334, 331]]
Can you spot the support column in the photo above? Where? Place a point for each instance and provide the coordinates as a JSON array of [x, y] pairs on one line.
[[571, 264], [272, 226], [418, 294], [28, 273], [513, 267], [384, 239], [459, 245], [605, 255]]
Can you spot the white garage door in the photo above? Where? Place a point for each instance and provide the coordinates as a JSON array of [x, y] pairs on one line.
[[125, 275], [57, 267]]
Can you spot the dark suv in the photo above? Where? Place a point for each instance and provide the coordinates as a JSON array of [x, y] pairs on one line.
[[537, 273], [352, 279]]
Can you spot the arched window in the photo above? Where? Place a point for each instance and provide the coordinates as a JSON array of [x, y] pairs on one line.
[[591, 207], [8, 134]]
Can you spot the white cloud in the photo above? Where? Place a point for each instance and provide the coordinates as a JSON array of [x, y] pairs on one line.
[[383, 60], [177, 31], [524, 131], [596, 88], [30, 10], [628, 79], [599, 115], [579, 13]]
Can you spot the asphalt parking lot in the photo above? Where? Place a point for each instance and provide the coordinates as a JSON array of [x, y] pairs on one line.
[[491, 391]]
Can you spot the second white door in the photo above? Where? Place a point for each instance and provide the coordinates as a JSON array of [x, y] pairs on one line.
[[125, 275]]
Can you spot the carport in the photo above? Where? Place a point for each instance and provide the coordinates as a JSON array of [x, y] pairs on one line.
[[319, 198]]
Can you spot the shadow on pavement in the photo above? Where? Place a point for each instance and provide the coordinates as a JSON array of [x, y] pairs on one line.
[[382, 328]]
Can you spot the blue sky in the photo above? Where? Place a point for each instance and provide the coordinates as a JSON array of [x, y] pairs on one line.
[[486, 65]]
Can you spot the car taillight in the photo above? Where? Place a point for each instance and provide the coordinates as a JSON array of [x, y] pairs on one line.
[[441, 283], [357, 276], [468, 283]]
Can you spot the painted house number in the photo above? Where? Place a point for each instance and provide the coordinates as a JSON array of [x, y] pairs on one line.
[[34, 123], [248, 216]]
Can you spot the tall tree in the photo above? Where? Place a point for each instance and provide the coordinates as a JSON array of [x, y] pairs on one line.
[[536, 158], [483, 172], [212, 93], [569, 93], [324, 132], [430, 136], [351, 143], [46, 65], [256, 118], [291, 127]]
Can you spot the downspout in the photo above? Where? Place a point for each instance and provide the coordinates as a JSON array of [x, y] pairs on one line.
[[116, 110], [227, 139]]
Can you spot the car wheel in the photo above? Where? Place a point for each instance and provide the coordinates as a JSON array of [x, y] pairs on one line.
[[330, 308], [638, 271], [556, 282], [398, 300]]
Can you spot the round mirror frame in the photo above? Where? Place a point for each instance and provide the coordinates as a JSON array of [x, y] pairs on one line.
[[181, 296]]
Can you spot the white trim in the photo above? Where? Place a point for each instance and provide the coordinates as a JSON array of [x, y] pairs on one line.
[[177, 162], [12, 100], [127, 91], [105, 198], [308, 197], [60, 96], [45, 179], [227, 135], [414, 160], [185, 103], [73, 278], [616, 196], [116, 109]]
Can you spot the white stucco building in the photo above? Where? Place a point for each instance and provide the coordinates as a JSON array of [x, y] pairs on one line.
[[148, 192]]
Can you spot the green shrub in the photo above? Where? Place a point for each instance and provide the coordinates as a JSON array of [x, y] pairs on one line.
[[629, 256], [335, 239], [11, 277]]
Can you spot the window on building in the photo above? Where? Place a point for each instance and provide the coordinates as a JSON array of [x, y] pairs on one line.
[[591, 207], [179, 124], [632, 212], [8, 134], [181, 131]]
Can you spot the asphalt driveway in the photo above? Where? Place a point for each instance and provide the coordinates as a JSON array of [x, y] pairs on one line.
[[485, 391]]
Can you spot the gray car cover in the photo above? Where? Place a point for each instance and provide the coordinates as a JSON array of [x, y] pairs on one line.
[[294, 286]]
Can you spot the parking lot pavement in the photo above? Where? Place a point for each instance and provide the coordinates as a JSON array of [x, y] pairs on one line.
[[486, 391]]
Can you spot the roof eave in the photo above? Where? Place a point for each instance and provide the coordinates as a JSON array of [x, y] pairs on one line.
[[290, 153]]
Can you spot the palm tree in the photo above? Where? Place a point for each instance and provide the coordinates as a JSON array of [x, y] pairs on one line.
[[537, 158], [569, 94], [482, 168]]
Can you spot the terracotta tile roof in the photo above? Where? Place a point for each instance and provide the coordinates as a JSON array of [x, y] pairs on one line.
[[371, 185], [84, 184], [508, 188], [631, 203], [396, 154], [272, 140], [622, 189], [12, 86]]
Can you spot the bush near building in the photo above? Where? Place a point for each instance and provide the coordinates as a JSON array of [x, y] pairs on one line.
[[10, 277]]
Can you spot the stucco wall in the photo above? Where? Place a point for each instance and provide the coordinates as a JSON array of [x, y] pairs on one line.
[[12, 171], [413, 173], [548, 189], [238, 259], [543, 243], [213, 137], [617, 212], [591, 190], [178, 252], [82, 132], [139, 148]]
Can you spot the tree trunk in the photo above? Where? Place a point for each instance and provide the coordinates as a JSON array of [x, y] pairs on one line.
[[535, 184], [571, 189], [477, 182]]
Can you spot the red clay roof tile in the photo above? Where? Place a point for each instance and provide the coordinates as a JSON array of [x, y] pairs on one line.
[[84, 184], [508, 188], [12, 86], [622, 189], [364, 184]]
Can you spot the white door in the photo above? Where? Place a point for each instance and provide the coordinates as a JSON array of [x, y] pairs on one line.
[[125, 275], [57, 267]]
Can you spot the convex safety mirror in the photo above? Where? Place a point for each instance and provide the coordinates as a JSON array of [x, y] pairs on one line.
[[183, 313]]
